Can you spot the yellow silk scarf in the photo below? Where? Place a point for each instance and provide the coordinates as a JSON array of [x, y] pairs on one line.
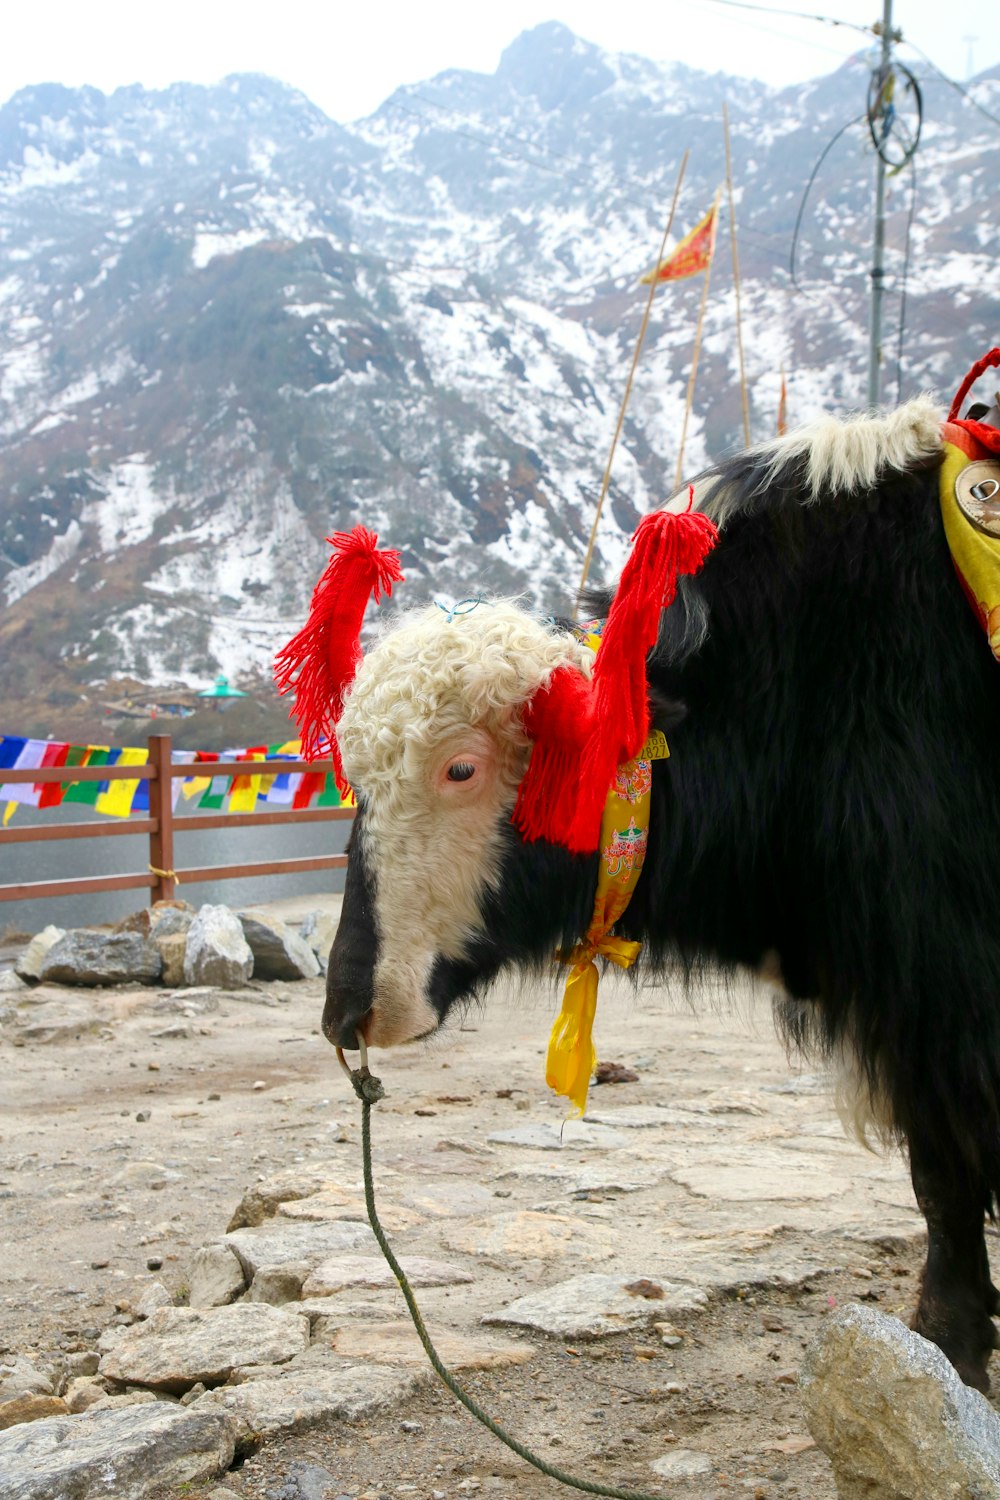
[[624, 832], [975, 553]]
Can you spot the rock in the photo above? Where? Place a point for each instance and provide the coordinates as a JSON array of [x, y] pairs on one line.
[[892, 1415], [11, 983], [214, 1276], [522, 1236], [125, 1453], [545, 1137], [682, 1463], [152, 1175], [93, 958], [594, 1306], [318, 929], [217, 953], [397, 1344], [155, 1295], [337, 1272], [82, 1391], [178, 1346], [305, 1396], [306, 1482], [30, 1409], [171, 917], [277, 1285], [19, 1377], [275, 1244], [84, 1362], [278, 952], [261, 1201], [29, 964], [172, 947]]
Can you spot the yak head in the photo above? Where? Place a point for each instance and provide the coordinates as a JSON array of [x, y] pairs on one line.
[[433, 741]]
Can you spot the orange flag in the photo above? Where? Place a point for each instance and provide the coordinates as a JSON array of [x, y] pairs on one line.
[[783, 407], [692, 255]]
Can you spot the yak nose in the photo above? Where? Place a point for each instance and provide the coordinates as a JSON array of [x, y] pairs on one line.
[[341, 1030]]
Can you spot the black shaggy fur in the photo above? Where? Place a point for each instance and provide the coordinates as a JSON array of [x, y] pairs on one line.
[[832, 796]]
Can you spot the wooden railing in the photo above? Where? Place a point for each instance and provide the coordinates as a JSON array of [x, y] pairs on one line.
[[162, 874]]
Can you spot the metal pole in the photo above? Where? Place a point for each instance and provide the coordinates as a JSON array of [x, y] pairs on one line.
[[878, 252]]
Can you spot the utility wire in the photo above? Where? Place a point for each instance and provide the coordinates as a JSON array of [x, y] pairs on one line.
[[812, 178], [951, 82], [905, 275], [797, 15]]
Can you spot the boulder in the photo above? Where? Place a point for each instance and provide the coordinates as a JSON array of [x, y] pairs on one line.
[[892, 1415], [217, 952], [30, 1409], [29, 964], [172, 948], [92, 958], [278, 1284], [178, 1346], [278, 952], [11, 983], [318, 929], [153, 1297], [594, 1306], [214, 1276], [126, 1452], [301, 1397], [19, 1377], [277, 1243]]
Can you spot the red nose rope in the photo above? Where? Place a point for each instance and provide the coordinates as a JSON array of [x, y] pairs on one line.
[[583, 730], [319, 664]]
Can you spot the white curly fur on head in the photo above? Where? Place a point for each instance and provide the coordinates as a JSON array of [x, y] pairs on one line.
[[433, 691], [430, 673]]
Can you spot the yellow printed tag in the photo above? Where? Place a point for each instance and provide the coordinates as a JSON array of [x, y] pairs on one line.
[[656, 747]]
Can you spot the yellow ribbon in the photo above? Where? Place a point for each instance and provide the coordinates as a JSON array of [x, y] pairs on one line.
[[571, 1056]]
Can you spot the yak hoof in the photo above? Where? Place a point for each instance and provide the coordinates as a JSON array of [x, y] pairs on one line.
[[968, 1350]]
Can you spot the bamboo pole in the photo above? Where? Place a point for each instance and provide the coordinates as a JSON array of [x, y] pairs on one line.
[[606, 481], [736, 277], [694, 366]]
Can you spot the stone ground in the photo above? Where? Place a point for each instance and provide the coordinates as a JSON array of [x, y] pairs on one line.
[[719, 1187]]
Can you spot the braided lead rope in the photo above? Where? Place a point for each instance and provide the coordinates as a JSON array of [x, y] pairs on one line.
[[369, 1090]]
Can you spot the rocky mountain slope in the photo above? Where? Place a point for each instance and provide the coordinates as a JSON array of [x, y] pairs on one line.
[[229, 326]]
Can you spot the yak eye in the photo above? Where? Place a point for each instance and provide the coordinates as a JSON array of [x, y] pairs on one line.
[[462, 770]]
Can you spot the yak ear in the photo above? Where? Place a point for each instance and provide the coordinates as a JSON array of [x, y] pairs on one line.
[[665, 713]]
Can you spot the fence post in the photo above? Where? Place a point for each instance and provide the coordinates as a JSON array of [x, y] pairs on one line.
[[161, 809]]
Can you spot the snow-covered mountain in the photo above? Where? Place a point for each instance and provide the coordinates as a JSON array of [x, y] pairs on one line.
[[229, 326]]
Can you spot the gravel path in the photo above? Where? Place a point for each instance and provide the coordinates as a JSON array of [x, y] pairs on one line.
[[718, 1189]]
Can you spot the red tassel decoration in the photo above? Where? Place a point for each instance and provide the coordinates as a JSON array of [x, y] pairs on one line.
[[983, 433], [319, 663], [584, 731]]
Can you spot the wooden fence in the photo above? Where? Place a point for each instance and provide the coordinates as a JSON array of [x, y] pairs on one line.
[[162, 874]]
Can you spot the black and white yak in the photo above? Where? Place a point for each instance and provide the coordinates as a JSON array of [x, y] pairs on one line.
[[830, 810]]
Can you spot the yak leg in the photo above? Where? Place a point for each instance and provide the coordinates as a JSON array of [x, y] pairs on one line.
[[957, 1297]]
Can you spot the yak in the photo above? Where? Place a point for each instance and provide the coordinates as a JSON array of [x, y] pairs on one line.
[[829, 811]]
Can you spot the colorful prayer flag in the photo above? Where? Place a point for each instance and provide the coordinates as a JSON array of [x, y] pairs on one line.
[[116, 801], [692, 255]]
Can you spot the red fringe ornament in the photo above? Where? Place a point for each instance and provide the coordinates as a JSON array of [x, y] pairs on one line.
[[981, 431], [584, 730], [319, 664]]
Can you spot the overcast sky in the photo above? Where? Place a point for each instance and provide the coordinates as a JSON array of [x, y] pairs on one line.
[[348, 57]]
